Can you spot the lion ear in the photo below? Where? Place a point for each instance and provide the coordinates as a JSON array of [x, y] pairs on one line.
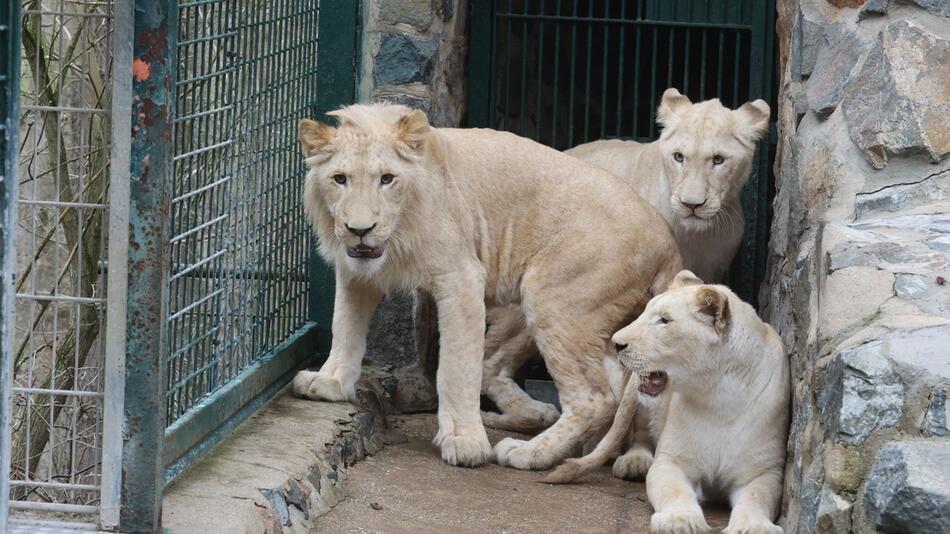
[[753, 120], [713, 304], [413, 129], [314, 135], [685, 278], [672, 104]]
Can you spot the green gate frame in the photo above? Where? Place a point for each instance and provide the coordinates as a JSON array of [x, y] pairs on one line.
[[9, 120], [757, 16], [153, 455]]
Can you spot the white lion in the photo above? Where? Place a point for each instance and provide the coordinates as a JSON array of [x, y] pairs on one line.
[[476, 216], [693, 174], [714, 382]]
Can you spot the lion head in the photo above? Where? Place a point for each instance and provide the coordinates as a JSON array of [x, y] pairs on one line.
[[364, 178], [680, 334], [707, 149]]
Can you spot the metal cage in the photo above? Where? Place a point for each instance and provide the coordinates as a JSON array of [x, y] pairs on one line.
[[153, 246]]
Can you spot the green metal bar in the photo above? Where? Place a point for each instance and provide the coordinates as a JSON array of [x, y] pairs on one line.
[[702, 69], [570, 114], [590, 46], [524, 71], [686, 52], [719, 65], [153, 108], [557, 77], [620, 67], [540, 80], [603, 81], [653, 95], [9, 122], [507, 80], [481, 45]]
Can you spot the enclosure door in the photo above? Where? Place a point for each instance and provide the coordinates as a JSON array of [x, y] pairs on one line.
[[565, 72]]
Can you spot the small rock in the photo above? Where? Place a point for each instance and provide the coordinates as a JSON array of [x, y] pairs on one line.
[[941, 8], [896, 103], [277, 505], [938, 414], [416, 13], [873, 8], [402, 59], [375, 506], [834, 514], [862, 393], [909, 488], [836, 58], [297, 494]]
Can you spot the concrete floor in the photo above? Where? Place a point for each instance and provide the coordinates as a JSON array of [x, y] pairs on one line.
[[407, 488]]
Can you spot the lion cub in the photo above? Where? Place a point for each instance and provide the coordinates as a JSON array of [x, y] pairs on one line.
[[714, 381], [692, 174]]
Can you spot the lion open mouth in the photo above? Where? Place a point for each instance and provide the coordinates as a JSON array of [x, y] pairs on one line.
[[652, 383], [364, 251]]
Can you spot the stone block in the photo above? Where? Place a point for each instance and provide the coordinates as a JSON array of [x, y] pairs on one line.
[[909, 488], [897, 101], [839, 53], [391, 339], [834, 514], [937, 418], [415, 13], [862, 393], [403, 59]]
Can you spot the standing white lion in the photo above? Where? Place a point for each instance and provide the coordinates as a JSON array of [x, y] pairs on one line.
[[474, 216]]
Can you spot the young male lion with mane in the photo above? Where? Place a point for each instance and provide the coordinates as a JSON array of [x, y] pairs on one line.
[[476, 216], [713, 381]]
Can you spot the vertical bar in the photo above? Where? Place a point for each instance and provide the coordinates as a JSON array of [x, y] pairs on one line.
[[336, 86], [722, 36], [507, 80], [653, 68], [524, 67], [556, 77], [537, 109], [603, 81], [590, 46], [150, 173], [686, 51], [702, 69], [117, 282], [10, 115]]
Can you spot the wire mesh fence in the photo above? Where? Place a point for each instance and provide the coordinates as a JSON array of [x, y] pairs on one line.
[[239, 247], [61, 245]]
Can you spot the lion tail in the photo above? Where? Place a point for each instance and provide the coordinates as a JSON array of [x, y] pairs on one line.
[[574, 468]]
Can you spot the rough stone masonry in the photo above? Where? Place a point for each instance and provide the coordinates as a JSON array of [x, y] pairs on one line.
[[860, 262]]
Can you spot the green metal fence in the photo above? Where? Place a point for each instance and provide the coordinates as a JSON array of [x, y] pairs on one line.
[[210, 298], [565, 72]]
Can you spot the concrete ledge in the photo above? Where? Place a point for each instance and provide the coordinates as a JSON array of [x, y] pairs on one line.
[[279, 470]]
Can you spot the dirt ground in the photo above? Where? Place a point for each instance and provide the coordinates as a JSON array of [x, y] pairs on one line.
[[407, 488]]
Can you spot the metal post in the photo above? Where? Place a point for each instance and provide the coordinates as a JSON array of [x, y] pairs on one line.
[[154, 68], [10, 116], [117, 283]]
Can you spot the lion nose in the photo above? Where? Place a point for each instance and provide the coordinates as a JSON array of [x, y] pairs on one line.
[[693, 206], [360, 231], [620, 346]]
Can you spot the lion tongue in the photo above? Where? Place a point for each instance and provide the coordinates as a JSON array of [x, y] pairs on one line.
[[653, 384]]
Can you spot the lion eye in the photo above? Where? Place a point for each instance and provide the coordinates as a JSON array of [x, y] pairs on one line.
[[386, 179], [678, 156], [717, 159], [664, 319], [339, 178]]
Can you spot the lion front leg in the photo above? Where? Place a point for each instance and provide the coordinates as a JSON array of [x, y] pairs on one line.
[[673, 497], [353, 307], [754, 505], [460, 299]]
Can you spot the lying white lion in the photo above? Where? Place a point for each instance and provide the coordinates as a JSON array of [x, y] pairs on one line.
[[474, 216], [714, 381], [693, 174]]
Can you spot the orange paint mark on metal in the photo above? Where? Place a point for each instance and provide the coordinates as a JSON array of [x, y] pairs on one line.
[[140, 69]]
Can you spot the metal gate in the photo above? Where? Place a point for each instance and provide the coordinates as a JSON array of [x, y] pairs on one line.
[[158, 281], [565, 72]]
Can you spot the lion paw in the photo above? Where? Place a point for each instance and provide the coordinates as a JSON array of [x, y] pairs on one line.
[[752, 526], [633, 464], [521, 454], [534, 410], [679, 522], [319, 386], [470, 450]]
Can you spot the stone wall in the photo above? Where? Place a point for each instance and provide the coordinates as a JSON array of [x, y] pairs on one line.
[[860, 262], [413, 53]]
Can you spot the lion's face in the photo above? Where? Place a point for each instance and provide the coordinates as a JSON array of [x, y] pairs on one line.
[[676, 335], [364, 177], [707, 150]]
